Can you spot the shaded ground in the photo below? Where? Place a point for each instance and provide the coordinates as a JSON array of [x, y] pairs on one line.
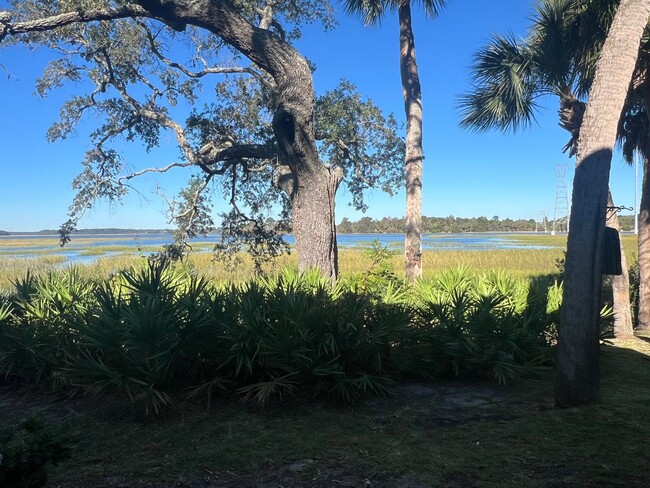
[[449, 434]]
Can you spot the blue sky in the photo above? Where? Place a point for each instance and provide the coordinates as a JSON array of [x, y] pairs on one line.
[[466, 174]]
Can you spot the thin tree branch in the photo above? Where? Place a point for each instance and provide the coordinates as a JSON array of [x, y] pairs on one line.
[[207, 70], [154, 169]]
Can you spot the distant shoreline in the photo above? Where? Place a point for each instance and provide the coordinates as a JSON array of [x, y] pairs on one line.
[[96, 232]]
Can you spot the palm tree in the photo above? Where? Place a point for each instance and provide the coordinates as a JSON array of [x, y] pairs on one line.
[[372, 12], [634, 132], [577, 370], [558, 58]]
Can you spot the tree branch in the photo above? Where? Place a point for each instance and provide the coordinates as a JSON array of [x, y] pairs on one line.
[[55, 21], [156, 169], [207, 70]]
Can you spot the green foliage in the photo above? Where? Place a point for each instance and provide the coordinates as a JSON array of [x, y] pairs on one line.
[[488, 324], [354, 135], [379, 280], [158, 332], [27, 450], [37, 333], [450, 224], [372, 11]]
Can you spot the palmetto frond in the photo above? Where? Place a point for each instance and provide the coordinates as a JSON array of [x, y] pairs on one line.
[[505, 87], [372, 11], [633, 130], [558, 57], [552, 42]]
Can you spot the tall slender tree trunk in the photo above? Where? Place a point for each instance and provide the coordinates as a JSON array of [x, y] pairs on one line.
[[414, 155], [623, 326], [577, 368], [571, 116], [644, 247]]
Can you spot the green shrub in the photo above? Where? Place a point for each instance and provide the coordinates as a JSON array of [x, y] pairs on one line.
[[26, 451], [158, 332]]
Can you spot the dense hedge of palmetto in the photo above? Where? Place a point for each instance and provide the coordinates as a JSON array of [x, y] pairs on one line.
[[156, 333]]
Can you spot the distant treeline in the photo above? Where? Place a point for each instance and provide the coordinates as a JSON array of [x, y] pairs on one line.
[[393, 225], [387, 225]]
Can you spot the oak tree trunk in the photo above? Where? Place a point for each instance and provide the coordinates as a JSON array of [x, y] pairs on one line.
[[413, 161], [577, 368], [313, 222], [623, 326]]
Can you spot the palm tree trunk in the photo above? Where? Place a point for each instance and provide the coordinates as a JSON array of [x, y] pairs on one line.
[[620, 285], [571, 115], [644, 248], [577, 368], [414, 155]]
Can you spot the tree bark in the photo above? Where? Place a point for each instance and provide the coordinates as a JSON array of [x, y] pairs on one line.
[[623, 326], [577, 368], [644, 248], [414, 156], [313, 222]]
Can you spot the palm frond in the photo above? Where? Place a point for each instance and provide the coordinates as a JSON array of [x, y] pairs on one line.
[[505, 87], [372, 11]]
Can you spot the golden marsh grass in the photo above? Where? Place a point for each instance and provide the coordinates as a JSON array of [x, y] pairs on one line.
[[521, 262]]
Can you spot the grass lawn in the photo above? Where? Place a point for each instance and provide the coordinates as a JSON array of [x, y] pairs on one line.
[[447, 434]]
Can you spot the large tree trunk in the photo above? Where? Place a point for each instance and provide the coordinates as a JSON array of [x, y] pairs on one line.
[[577, 369], [313, 222], [644, 248], [414, 156], [623, 326], [571, 116]]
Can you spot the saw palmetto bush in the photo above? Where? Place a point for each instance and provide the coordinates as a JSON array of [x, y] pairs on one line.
[[482, 325], [131, 342], [159, 332], [299, 333], [36, 332]]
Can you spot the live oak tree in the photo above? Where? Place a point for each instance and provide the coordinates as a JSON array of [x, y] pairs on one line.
[[372, 12], [264, 140]]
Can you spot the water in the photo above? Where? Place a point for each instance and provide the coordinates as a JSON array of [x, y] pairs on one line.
[[76, 251]]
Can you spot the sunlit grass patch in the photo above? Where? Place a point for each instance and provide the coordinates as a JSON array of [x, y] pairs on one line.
[[29, 242], [13, 268]]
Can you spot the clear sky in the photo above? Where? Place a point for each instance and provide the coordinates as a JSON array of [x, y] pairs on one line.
[[466, 174]]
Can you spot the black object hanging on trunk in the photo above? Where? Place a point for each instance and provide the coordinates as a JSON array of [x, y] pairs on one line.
[[612, 252]]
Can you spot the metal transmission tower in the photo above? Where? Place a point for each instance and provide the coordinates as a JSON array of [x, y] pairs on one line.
[[540, 221], [561, 213]]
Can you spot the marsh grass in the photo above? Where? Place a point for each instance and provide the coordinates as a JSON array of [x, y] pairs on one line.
[[630, 242], [521, 263], [12, 268]]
